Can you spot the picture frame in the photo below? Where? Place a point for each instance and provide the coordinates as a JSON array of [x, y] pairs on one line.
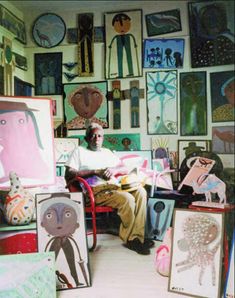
[[22, 88], [65, 210], [193, 104], [48, 38], [195, 271], [223, 139], [187, 147], [118, 64], [161, 99], [31, 137], [222, 99], [163, 53], [48, 73], [163, 22], [63, 148], [13, 24], [78, 110], [33, 273], [205, 38]]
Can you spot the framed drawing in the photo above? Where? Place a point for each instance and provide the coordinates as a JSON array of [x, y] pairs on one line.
[[48, 30], [163, 53], [48, 74], [223, 139], [187, 147], [161, 102], [222, 96], [193, 104], [28, 275], [163, 22], [85, 103], [13, 24], [26, 139], [197, 249], [123, 44], [22, 88], [61, 229], [211, 26], [63, 148], [159, 215]]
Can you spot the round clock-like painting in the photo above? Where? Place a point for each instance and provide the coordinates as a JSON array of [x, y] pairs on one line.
[[48, 30]]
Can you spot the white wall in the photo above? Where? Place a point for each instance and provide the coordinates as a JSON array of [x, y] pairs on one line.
[[69, 54]]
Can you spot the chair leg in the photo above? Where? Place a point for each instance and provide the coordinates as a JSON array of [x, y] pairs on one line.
[[94, 231]]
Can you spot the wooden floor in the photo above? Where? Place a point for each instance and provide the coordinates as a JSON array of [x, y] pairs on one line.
[[117, 272]]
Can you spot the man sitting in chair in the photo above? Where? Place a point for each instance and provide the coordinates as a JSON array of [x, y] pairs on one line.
[[98, 166]]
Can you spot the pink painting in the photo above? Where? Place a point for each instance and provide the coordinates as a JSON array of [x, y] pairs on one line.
[[26, 141]]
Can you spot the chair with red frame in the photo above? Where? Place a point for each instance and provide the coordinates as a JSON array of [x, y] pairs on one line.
[[73, 186]]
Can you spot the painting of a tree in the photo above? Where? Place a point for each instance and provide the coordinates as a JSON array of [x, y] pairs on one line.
[[161, 102]]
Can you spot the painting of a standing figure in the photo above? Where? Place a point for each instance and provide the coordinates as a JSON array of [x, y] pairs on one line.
[[123, 44], [193, 107]]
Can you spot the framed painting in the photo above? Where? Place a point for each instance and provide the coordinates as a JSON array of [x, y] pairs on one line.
[[123, 44], [85, 103], [48, 73], [48, 30], [159, 216], [223, 139], [197, 249], [193, 104], [163, 22], [61, 216], [222, 96], [163, 53], [21, 61], [27, 145], [63, 148], [22, 88], [161, 89], [60, 170], [28, 275], [13, 24], [187, 147], [211, 25]]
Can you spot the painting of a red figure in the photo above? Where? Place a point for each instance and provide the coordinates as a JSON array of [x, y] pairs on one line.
[[223, 139], [23, 147]]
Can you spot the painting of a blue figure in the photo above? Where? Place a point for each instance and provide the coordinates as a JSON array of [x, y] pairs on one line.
[[193, 107], [163, 53], [123, 44], [162, 102]]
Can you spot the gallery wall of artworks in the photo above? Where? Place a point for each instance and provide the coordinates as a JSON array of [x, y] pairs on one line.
[[171, 86]]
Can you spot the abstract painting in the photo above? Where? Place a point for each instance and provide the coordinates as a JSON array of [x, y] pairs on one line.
[[222, 96], [223, 139], [162, 102], [163, 22], [196, 261], [26, 141], [48, 74], [85, 103], [211, 26], [28, 275], [163, 53], [159, 215], [123, 44], [61, 229], [193, 104]]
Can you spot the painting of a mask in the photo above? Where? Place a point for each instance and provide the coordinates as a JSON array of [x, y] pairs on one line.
[[26, 141], [85, 103]]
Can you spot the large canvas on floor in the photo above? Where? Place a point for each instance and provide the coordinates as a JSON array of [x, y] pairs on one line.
[[26, 141], [196, 261], [61, 228]]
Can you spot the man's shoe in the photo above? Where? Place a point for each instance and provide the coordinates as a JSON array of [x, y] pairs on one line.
[[149, 243], [138, 247]]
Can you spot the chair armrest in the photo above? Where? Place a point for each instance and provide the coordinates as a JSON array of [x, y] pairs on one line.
[[86, 188]]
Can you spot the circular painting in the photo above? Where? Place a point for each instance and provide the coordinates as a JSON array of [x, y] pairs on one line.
[[48, 30]]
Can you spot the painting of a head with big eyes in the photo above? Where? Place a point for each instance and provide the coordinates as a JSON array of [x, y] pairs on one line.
[[26, 141]]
